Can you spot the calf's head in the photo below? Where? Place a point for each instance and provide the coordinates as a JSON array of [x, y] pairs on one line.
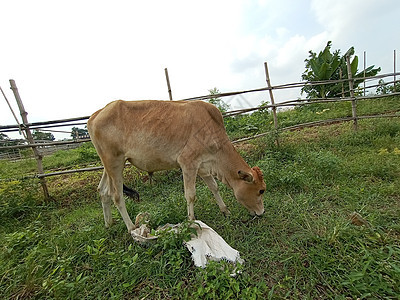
[[250, 189]]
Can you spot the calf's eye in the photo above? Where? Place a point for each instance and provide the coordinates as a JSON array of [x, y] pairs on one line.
[[261, 192]]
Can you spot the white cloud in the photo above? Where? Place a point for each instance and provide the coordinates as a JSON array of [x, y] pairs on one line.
[[290, 51]]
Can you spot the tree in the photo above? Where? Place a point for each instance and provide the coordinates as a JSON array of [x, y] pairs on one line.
[[332, 66], [43, 136], [79, 133], [218, 102]]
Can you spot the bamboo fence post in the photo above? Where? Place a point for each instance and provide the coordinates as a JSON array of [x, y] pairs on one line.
[[29, 136], [12, 111], [351, 88], [168, 84], [365, 65], [341, 77], [394, 70], [271, 96]]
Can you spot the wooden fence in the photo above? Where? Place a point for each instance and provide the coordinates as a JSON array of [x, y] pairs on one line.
[[25, 127]]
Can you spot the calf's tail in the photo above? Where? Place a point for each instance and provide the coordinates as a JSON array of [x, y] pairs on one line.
[[131, 193]]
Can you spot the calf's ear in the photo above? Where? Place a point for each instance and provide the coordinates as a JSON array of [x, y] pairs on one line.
[[245, 176]]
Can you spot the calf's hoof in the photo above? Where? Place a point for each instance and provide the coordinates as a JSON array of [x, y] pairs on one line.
[[226, 213]]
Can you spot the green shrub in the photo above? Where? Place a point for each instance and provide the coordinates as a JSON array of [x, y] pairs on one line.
[[87, 153]]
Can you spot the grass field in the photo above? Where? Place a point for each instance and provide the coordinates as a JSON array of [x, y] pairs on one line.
[[306, 246]]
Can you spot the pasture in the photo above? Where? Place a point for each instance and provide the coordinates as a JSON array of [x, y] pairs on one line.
[[306, 246]]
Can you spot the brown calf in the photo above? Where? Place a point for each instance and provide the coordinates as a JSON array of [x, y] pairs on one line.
[[162, 135]]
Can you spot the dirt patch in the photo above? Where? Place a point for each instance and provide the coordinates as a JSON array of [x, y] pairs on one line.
[[245, 147]]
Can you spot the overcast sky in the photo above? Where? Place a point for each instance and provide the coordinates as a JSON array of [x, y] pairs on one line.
[[70, 58]]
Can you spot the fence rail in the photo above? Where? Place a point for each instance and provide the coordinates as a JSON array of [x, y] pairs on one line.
[[38, 147], [30, 145]]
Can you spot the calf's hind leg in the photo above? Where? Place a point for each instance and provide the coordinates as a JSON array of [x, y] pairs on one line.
[[189, 182], [105, 197], [115, 184]]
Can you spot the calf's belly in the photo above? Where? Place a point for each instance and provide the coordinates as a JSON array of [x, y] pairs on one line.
[[152, 163]]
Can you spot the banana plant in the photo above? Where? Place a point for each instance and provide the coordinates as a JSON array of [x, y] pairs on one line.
[[331, 66]]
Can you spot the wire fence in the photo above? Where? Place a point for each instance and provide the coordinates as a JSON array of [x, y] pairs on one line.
[[39, 148]]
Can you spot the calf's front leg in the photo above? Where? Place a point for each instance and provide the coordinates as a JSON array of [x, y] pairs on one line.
[[213, 186], [116, 188]]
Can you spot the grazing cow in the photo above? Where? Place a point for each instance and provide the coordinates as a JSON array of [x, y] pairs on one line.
[[162, 135]]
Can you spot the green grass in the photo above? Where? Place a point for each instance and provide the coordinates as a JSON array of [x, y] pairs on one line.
[[304, 247]]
